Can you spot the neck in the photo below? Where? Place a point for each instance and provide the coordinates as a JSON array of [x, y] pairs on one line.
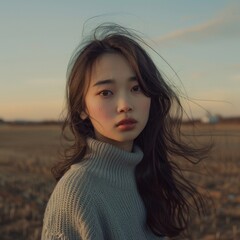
[[111, 163], [126, 145]]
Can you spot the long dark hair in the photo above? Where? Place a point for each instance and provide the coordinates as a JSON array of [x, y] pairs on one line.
[[167, 195]]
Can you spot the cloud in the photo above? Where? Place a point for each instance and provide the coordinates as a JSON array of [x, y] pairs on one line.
[[224, 25]]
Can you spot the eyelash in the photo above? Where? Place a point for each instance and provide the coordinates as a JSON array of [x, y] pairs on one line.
[[139, 88], [104, 91], [108, 91]]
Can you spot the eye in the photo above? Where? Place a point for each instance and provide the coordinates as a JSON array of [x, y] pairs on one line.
[[105, 93], [136, 88]]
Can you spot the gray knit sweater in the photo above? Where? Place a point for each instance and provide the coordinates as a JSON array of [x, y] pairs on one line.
[[98, 199]]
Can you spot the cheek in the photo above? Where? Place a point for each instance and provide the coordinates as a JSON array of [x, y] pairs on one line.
[[144, 104], [100, 111]]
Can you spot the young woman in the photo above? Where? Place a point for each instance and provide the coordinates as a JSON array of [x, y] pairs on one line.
[[118, 179]]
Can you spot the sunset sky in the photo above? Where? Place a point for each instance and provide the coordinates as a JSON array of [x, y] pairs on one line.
[[199, 39]]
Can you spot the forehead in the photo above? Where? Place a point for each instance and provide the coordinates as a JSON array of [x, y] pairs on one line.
[[110, 66]]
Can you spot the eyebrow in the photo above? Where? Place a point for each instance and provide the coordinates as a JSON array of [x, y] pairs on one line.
[[112, 81]]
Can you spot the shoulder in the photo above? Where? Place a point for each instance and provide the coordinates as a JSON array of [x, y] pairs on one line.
[[73, 195], [71, 205], [77, 184]]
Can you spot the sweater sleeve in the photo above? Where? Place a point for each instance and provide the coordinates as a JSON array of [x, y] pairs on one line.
[[71, 212]]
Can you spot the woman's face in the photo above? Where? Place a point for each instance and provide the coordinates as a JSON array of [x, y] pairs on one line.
[[115, 104]]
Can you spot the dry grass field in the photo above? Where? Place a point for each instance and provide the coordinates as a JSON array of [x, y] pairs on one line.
[[28, 152]]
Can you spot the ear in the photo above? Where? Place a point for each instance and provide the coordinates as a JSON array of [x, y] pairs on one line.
[[83, 115]]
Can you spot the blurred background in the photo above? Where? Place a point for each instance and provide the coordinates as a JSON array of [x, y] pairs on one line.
[[198, 39]]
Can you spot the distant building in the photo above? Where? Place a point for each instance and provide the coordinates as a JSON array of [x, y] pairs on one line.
[[210, 118]]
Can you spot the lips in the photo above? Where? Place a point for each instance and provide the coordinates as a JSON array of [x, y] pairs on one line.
[[127, 121]]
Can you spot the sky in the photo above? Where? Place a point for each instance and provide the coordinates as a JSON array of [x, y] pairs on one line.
[[200, 40]]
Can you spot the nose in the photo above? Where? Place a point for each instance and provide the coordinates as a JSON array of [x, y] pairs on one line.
[[125, 109], [124, 105]]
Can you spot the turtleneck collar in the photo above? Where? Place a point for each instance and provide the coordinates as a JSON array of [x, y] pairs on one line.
[[111, 163]]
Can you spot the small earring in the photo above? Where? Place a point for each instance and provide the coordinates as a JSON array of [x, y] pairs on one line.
[[83, 115]]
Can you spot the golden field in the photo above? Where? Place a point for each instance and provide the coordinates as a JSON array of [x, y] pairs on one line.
[[28, 152]]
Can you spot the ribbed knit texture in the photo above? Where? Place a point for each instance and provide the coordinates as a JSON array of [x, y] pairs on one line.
[[98, 198]]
